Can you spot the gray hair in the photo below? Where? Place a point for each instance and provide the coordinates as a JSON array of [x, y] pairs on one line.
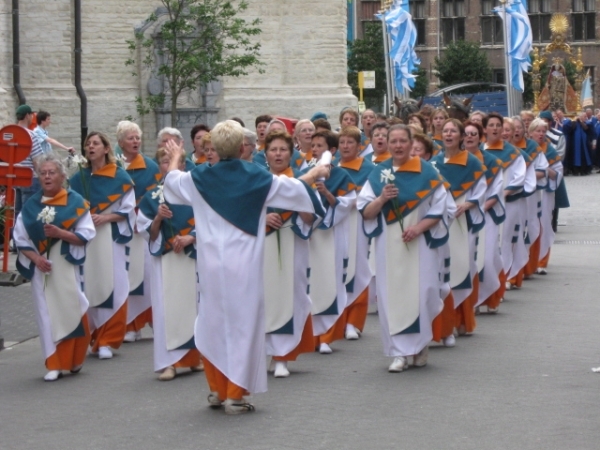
[[124, 127], [169, 131], [275, 121], [518, 119], [250, 135], [300, 123], [537, 123], [49, 158]]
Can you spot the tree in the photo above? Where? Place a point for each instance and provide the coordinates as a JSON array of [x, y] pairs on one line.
[[421, 83], [461, 62], [367, 54], [198, 42]]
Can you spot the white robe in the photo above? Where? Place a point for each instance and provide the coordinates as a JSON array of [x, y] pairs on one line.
[[548, 193], [280, 344], [120, 281], [426, 284], [181, 307], [336, 221], [511, 229], [230, 327], [489, 281], [73, 309]]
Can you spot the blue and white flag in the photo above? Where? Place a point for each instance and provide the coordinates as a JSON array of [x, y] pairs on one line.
[[586, 91], [403, 37], [518, 40]]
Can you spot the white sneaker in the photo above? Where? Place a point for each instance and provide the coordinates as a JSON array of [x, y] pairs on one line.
[[214, 401], [351, 333], [53, 375], [168, 374], [398, 365], [541, 271], [325, 349], [420, 359], [129, 336], [449, 341], [237, 406], [492, 310], [509, 286], [281, 370], [104, 353]]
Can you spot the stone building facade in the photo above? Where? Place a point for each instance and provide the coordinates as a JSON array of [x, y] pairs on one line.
[[439, 21], [303, 48]]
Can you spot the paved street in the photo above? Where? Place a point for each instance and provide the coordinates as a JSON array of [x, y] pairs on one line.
[[522, 381]]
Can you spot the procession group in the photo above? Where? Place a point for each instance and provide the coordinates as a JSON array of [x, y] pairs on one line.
[[272, 243]]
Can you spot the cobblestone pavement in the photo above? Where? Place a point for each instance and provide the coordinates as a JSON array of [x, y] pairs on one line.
[[522, 381]]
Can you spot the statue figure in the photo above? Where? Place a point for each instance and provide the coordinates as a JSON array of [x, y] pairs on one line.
[[558, 92]]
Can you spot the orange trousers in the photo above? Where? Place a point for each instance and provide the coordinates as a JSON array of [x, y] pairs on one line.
[[140, 321], [518, 280], [534, 257], [443, 324], [111, 334], [465, 313], [543, 263], [70, 353], [217, 382], [355, 314], [306, 344], [190, 359], [493, 301]]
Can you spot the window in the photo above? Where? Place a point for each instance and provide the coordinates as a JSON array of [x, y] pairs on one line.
[[583, 20], [491, 24], [453, 21], [539, 16], [499, 76], [417, 11]]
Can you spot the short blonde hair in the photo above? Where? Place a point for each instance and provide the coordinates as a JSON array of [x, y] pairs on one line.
[[126, 126], [537, 123], [300, 123], [228, 138]]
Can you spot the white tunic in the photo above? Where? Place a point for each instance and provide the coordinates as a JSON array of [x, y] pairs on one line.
[[97, 250], [230, 327], [548, 193], [514, 175], [55, 316], [423, 263]]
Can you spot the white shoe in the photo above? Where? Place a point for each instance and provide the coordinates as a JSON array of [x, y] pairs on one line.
[[541, 271], [214, 401], [509, 286], [281, 370], [237, 406], [53, 375], [104, 353], [168, 374], [449, 341], [351, 333], [462, 331], [129, 336], [325, 349], [492, 310], [398, 365], [420, 359]]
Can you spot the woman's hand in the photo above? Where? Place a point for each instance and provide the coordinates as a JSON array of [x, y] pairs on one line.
[[164, 212], [181, 242], [52, 231], [322, 189], [43, 264], [99, 219], [388, 192], [411, 233], [274, 221]]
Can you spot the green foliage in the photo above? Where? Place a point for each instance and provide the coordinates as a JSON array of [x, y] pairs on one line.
[[367, 54], [463, 61], [421, 83], [200, 41], [544, 71]]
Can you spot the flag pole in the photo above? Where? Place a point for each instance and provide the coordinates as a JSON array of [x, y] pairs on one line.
[[509, 90]]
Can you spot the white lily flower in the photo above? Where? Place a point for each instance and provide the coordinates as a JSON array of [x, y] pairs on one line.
[[159, 193], [312, 162], [47, 215], [387, 176], [119, 158], [79, 159]]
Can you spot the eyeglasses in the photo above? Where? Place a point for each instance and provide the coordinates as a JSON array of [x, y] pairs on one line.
[[472, 133], [50, 173]]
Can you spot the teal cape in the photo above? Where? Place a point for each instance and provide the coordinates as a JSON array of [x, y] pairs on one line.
[[103, 191], [182, 223], [66, 218]]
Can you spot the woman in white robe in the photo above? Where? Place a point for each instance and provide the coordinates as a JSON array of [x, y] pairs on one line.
[[171, 235], [408, 290], [229, 202], [109, 189], [50, 234], [287, 303]]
